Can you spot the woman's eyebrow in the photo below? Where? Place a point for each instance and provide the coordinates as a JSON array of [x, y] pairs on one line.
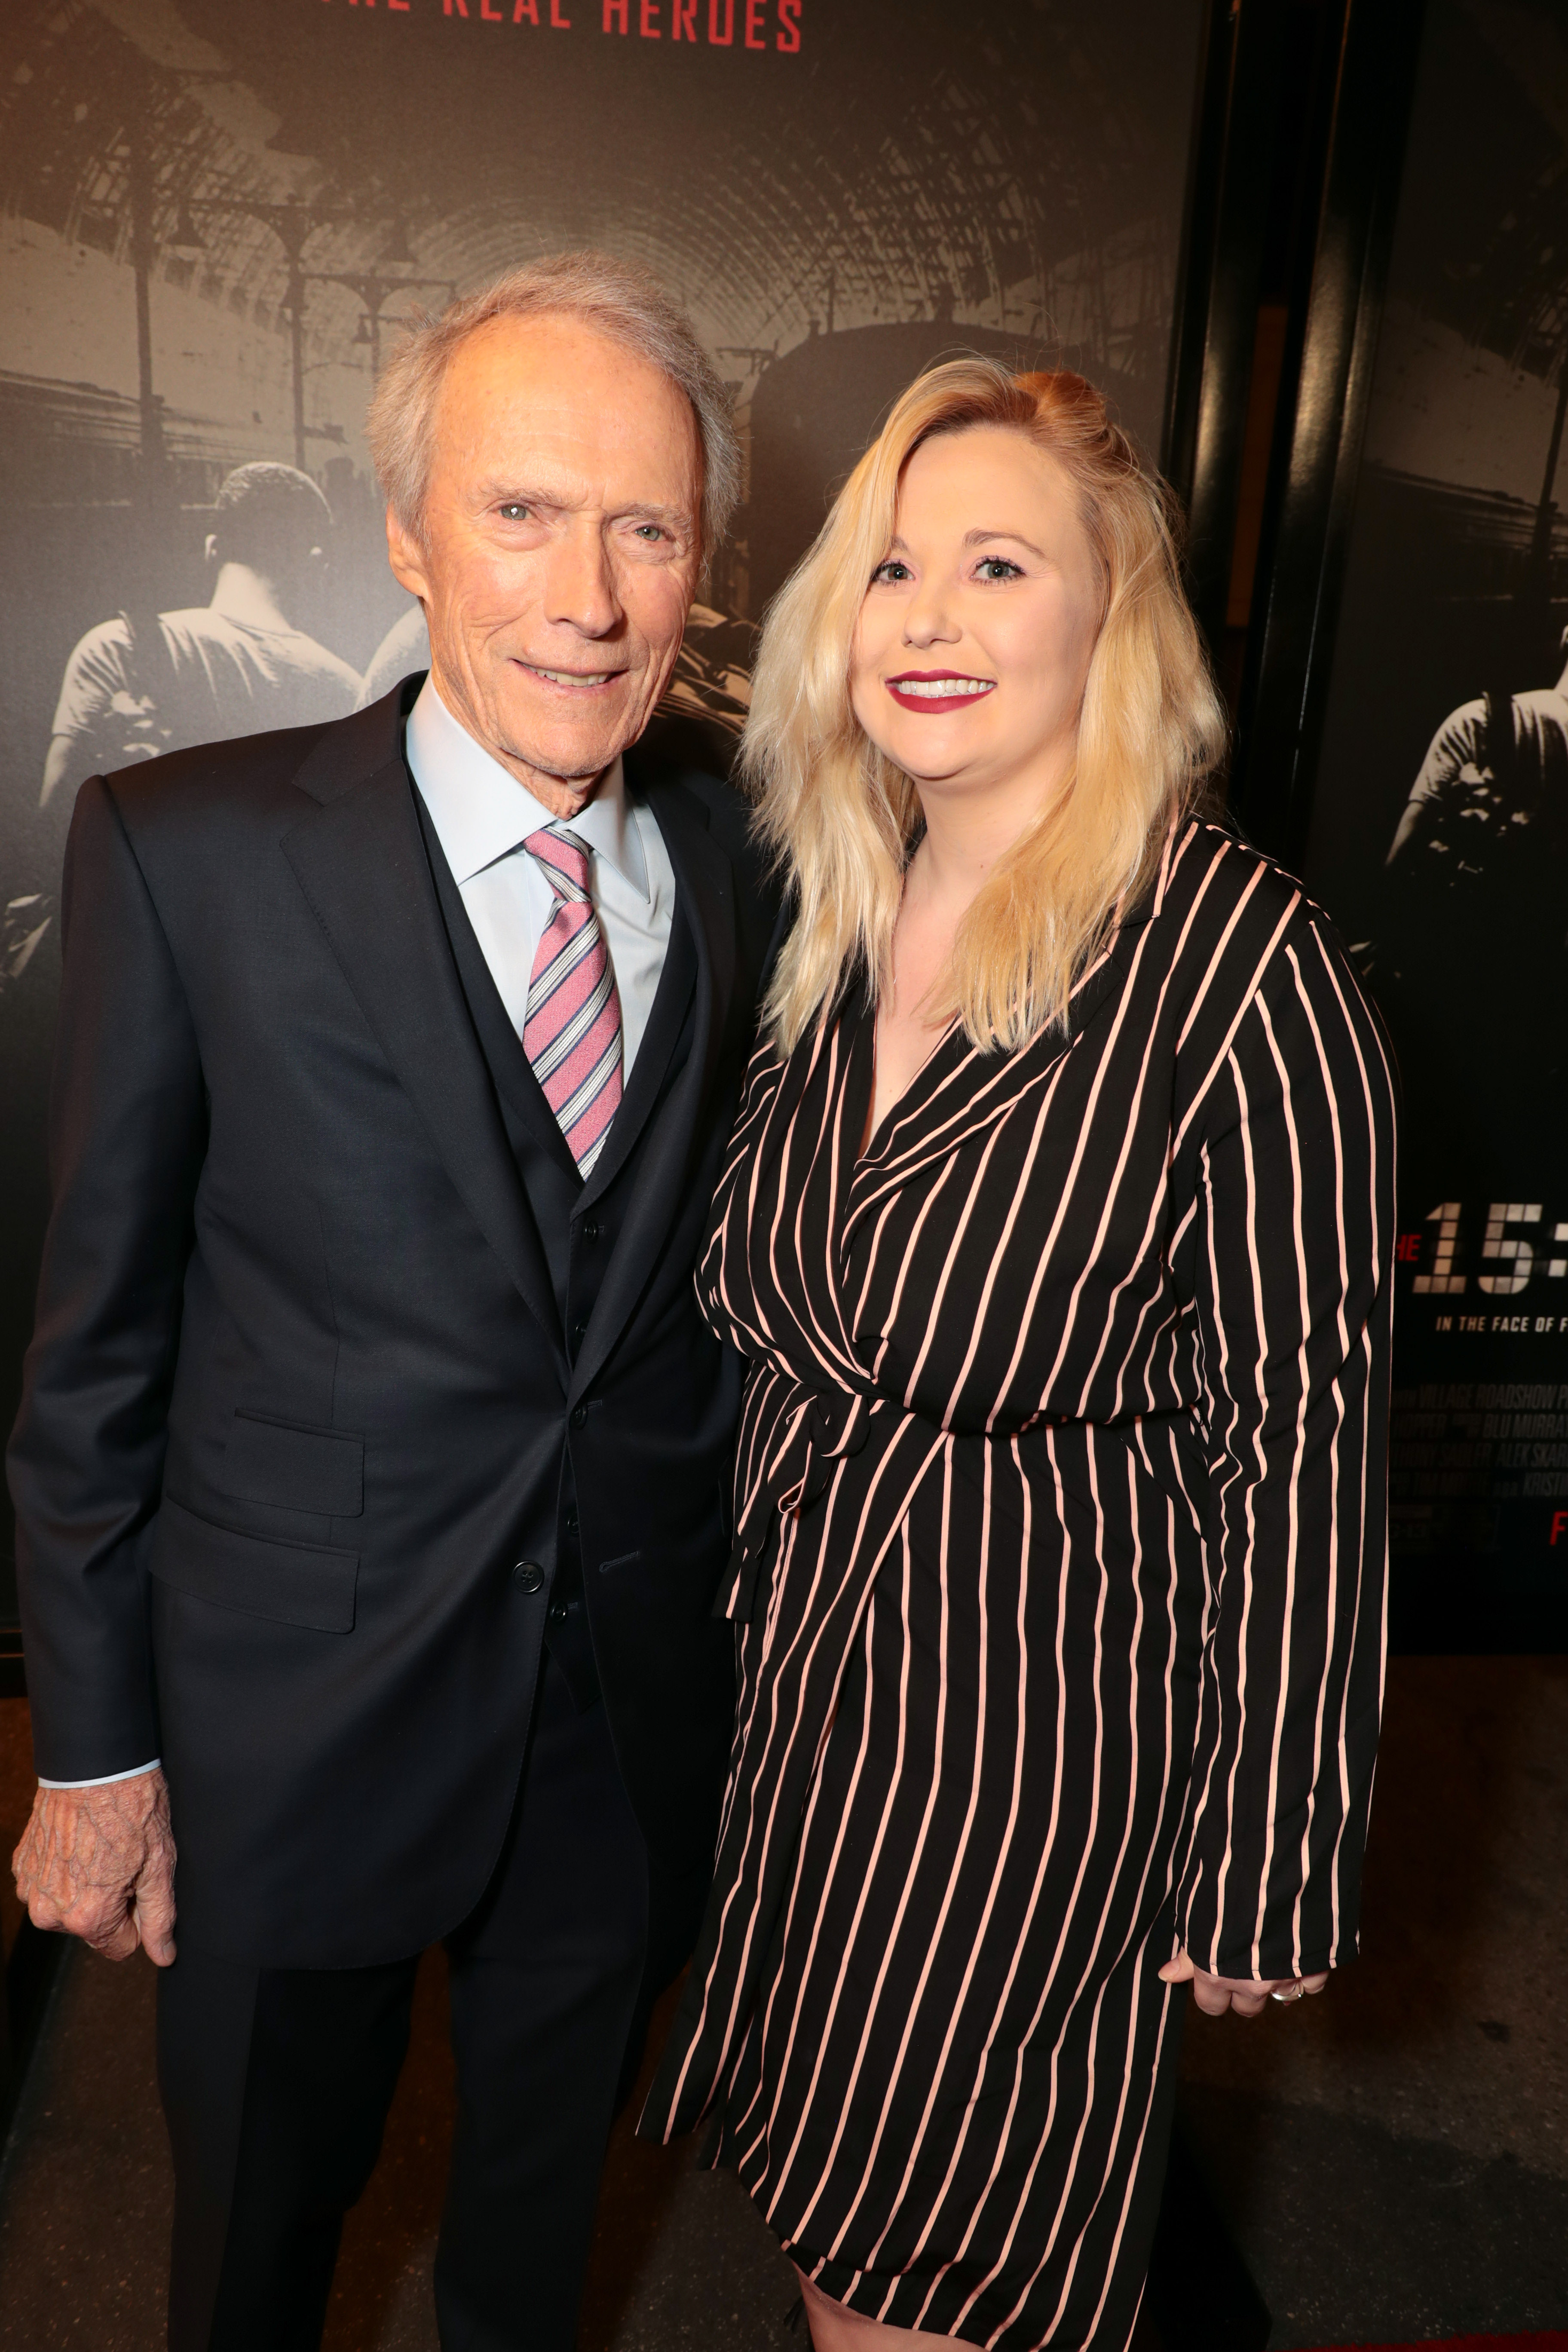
[[974, 539]]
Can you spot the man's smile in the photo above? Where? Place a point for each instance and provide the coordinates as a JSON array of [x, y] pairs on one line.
[[574, 681]]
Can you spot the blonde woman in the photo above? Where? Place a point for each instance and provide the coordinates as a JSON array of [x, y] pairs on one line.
[[1056, 1227]]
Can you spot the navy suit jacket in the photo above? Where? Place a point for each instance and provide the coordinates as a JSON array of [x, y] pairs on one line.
[[304, 1413]]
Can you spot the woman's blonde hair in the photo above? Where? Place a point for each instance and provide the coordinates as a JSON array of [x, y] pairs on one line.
[[844, 820]]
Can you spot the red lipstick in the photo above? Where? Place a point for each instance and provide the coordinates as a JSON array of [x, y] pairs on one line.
[[944, 689]]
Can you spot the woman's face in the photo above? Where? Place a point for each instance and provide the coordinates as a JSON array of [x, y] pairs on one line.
[[974, 638]]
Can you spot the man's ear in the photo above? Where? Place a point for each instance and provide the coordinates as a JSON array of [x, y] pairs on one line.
[[406, 558], [209, 548]]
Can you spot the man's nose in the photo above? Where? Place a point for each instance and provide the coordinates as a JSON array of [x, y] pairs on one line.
[[580, 590]]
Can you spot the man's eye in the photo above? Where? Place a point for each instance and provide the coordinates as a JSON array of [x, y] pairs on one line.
[[996, 567], [514, 511], [893, 572], [652, 530]]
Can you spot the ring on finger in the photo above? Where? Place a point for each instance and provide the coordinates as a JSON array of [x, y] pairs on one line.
[[1294, 1993]]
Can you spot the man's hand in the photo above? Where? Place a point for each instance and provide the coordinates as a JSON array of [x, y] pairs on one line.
[[99, 1862], [1246, 1995]]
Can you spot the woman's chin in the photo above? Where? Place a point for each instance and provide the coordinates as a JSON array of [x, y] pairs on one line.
[[937, 748]]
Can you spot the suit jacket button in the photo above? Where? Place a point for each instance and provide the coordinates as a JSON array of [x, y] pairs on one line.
[[579, 1416], [528, 1576]]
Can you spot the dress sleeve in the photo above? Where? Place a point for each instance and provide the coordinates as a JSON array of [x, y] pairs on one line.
[[1293, 1298]]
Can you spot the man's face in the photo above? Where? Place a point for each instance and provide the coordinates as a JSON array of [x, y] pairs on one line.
[[560, 553]]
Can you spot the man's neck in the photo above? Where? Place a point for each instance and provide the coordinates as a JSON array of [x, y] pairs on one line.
[[243, 596]]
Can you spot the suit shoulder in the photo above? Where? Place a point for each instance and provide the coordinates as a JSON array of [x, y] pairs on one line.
[[727, 815], [729, 812], [209, 787], [254, 787]]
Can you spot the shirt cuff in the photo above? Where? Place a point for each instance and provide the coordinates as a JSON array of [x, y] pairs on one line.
[[108, 1779]]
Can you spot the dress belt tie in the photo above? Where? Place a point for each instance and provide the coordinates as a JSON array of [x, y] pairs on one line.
[[819, 1432]]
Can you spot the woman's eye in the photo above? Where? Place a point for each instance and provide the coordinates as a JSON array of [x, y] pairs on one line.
[[996, 567], [891, 572]]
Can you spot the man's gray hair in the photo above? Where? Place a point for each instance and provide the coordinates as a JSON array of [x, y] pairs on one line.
[[627, 305]]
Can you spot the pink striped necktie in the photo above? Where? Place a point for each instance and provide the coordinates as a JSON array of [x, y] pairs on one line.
[[572, 1030]]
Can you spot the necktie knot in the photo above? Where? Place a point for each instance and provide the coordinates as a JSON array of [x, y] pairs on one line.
[[564, 858]]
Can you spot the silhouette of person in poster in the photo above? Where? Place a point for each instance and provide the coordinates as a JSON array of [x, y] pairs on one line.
[[138, 686], [1475, 952], [1493, 788]]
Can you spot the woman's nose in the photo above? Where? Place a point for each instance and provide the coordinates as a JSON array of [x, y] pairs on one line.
[[928, 617]]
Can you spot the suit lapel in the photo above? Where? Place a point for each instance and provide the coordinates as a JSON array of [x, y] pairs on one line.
[[705, 898], [360, 860]]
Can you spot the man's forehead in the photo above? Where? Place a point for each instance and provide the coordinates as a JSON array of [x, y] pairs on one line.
[[560, 363], [561, 409]]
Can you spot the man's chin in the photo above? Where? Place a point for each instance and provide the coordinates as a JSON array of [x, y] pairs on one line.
[[573, 749]]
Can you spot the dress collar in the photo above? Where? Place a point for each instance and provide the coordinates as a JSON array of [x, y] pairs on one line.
[[480, 811]]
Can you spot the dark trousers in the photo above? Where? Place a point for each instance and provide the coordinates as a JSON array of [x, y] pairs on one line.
[[276, 2081]]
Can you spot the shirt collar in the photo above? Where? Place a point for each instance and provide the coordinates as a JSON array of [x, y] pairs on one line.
[[482, 813]]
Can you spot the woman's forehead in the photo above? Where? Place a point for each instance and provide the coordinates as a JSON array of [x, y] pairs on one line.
[[993, 465]]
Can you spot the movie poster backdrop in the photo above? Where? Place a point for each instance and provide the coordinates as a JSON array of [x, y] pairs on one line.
[[213, 214], [1439, 835]]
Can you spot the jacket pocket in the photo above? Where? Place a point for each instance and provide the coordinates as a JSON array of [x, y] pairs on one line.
[[293, 1584], [294, 1468]]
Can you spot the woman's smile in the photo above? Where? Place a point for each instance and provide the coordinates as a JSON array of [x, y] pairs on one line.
[[938, 689]]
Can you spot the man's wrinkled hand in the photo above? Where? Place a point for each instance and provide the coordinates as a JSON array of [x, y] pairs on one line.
[[100, 1864], [1246, 1995]]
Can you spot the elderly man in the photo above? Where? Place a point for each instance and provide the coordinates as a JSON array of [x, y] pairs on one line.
[[370, 1471]]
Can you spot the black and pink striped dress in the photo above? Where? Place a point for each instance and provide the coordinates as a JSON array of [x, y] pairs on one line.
[[1060, 1582]]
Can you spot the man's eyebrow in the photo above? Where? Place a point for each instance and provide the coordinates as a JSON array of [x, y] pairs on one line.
[[500, 492], [646, 508], [977, 539], [517, 494]]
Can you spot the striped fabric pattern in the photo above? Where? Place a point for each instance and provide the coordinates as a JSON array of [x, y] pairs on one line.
[[572, 1030], [1060, 1580]]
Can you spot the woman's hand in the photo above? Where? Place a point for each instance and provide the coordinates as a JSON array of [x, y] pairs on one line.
[[1246, 1995]]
